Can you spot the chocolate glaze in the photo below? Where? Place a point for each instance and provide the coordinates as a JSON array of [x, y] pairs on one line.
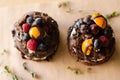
[[52, 40]]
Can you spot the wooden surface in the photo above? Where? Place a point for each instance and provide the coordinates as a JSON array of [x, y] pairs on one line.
[[56, 69]]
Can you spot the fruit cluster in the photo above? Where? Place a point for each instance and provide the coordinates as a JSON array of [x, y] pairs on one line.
[[94, 31], [34, 32]]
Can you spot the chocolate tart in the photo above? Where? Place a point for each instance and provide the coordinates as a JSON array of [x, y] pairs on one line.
[[91, 40], [36, 36]]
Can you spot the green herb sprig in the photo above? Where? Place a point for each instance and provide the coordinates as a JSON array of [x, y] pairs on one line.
[[14, 76], [34, 75], [4, 51], [113, 14], [75, 70], [65, 5], [79, 71]]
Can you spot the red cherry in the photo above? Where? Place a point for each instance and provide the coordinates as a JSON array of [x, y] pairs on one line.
[[25, 27], [104, 40]]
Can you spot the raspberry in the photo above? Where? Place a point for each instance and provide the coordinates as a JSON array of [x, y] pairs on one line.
[[32, 44], [104, 40], [25, 27]]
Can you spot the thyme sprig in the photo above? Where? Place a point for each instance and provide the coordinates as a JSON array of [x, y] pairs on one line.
[[14, 76], [65, 5], [113, 14], [34, 75], [75, 70], [78, 71]]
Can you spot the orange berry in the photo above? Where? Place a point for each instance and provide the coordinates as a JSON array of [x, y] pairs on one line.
[[34, 32], [87, 46], [99, 20]]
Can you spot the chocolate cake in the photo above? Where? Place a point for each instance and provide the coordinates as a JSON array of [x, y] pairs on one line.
[[36, 36], [91, 40]]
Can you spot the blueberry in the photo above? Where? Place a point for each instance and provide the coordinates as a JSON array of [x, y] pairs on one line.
[[96, 43], [46, 40], [78, 24], [42, 47], [13, 33], [38, 21], [29, 20], [108, 31], [82, 29], [87, 18], [90, 22], [24, 36]]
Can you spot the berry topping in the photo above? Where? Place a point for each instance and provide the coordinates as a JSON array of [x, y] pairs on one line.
[[24, 36], [99, 20], [13, 33], [38, 21], [97, 43], [32, 44], [25, 27], [34, 32], [108, 31], [87, 18], [42, 47], [82, 29], [29, 20], [87, 46], [94, 28], [104, 40]]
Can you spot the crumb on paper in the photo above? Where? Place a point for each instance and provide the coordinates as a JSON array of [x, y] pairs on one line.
[[89, 69]]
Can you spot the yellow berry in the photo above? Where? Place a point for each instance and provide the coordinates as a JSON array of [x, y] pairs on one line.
[[87, 46], [34, 32]]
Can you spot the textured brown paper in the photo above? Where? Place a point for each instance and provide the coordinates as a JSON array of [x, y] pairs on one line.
[[56, 69]]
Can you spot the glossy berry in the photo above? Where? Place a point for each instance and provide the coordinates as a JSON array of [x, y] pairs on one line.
[[82, 28], [38, 21], [108, 31], [46, 40], [13, 33], [94, 29], [32, 44], [34, 32], [25, 27], [99, 20], [41, 47], [104, 40], [87, 46], [87, 18], [29, 20], [24, 36], [97, 43]]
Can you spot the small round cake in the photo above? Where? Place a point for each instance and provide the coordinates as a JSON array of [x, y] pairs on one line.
[[91, 40], [36, 36]]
